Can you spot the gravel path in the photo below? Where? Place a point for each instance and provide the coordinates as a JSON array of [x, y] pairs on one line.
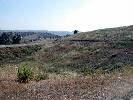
[[30, 44]]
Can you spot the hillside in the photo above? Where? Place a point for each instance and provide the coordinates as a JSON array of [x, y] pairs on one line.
[[118, 33], [96, 66]]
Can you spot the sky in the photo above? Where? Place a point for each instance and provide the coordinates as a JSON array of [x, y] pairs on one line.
[[65, 15]]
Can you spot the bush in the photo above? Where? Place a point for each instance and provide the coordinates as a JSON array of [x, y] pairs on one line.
[[24, 74], [31, 49], [87, 71], [41, 76]]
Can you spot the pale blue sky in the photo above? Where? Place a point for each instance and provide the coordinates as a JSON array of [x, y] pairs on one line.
[[66, 15], [37, 14]]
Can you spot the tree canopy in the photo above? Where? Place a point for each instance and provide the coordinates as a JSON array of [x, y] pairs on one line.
[[76, 31], [9, 38]]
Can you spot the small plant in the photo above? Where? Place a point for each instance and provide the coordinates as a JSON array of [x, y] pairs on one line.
[[24, 74], [87, 71], [41, 76], [99, 71]]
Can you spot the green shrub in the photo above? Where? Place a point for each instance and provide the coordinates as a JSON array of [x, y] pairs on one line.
[[99, 71], [24, 74], [113, 67], [41, 76], [87, 71], [31, 49]]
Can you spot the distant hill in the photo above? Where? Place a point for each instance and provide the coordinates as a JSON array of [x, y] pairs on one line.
[[60, 33], [34, 35]]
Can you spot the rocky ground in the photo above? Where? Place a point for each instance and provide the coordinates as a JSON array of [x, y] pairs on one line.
[[99, 87]]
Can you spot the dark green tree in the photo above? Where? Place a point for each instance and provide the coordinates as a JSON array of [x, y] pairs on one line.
[[76, 31], [6, 38], [16, 39]]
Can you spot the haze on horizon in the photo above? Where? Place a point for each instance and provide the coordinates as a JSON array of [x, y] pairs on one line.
[[64, 15]]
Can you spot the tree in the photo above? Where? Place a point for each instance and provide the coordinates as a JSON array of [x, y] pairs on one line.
[[76, 31], [6, 38], [16, 39]]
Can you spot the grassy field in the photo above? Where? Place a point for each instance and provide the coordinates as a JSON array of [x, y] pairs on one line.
[[63, 71]]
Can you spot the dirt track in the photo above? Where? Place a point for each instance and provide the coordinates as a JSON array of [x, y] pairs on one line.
[[21, 45], [46, 42]]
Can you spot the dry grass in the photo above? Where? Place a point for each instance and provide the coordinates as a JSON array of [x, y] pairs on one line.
[[65, 64], [97, 87]]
